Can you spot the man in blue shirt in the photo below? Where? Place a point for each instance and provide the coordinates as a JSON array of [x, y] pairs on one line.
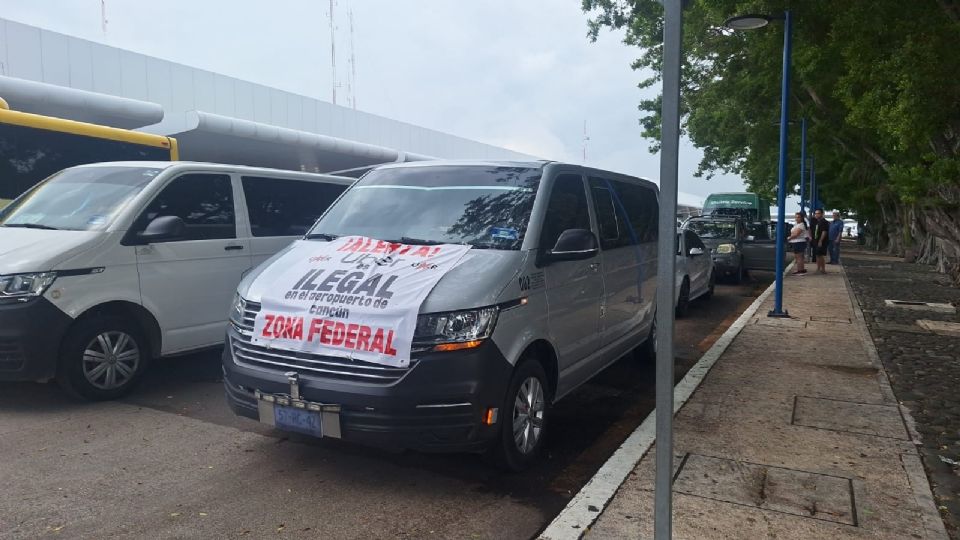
[[835, 235]]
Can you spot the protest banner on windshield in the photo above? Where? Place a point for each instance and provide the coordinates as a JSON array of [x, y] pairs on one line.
[[353, 297]]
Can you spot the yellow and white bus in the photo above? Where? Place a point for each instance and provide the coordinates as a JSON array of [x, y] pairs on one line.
[[32, 147]]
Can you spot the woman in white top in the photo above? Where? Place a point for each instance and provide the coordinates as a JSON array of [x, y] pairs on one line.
[[798, 241]]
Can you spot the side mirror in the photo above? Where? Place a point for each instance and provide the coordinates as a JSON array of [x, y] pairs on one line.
[[695, 252], [574, 245], [162, 229]]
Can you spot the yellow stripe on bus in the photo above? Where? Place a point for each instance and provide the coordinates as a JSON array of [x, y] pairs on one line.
[[50, 123]]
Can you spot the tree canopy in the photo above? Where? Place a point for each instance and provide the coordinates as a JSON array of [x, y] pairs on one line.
[[877, 80]]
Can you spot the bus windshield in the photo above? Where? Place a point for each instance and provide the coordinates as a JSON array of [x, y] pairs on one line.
[[713, 229], [79, 199], [486, 207]]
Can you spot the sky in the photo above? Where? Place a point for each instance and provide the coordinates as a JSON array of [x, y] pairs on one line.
[[522, 75]]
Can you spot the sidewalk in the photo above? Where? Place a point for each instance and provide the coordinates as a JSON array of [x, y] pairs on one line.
[[794, 433]]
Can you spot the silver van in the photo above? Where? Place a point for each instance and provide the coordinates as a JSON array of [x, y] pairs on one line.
[[556, 280]]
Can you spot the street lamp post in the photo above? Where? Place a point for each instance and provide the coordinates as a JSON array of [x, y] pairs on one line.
[[803, 160], [814, 199], [751, 22]]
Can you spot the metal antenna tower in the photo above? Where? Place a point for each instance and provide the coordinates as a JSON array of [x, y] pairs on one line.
[[352, 81], [585, 139], [333, 56], [103, 16]]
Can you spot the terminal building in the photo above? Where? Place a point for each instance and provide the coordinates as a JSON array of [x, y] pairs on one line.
[[213, 117]]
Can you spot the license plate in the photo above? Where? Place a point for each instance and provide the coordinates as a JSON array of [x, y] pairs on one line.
[[298, 420], [294, 414]]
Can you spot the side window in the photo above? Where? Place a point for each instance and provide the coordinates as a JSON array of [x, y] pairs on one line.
[[642, 209], [610, 218], [693, 241], [284, 207], [759, 231], [203, 201], [567, 209]]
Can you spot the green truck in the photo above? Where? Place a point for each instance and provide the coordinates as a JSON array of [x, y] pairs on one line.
[[750, 207]]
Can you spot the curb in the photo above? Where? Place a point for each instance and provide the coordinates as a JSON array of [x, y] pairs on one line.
[[587, 505], [933, 526]]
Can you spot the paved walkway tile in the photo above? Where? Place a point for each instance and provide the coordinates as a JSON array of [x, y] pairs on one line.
[[794, 433]]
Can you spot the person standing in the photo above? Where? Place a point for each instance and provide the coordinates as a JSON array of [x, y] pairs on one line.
[[820, 236], [798, 243], [836, 235]]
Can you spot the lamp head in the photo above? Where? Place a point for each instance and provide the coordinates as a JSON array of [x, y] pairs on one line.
[[750, 21]]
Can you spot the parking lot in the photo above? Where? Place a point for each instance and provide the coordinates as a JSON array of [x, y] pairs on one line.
[[172, 460]]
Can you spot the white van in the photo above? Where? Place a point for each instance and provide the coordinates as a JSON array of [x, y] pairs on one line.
[[445, 306], [106, 266]]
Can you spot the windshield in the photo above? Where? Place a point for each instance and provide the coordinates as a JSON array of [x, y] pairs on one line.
[[484, 206], [713, 229], [80, 199]]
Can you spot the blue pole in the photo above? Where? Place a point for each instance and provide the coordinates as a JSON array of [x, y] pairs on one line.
[[814, 199], [803, 161], [778, 310]]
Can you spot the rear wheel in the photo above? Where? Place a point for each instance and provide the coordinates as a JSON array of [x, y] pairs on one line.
[[711, 285], [102, 358], [524, 417], [647, 351], [683, 301]]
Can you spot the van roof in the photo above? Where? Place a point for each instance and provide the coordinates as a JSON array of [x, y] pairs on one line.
[[223, 167], [529, 164], [532, 164]]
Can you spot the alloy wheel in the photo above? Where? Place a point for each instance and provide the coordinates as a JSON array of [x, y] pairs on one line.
[[110, 360], [528, 411]]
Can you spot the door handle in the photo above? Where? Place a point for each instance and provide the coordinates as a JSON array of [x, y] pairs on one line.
[[232, 248]]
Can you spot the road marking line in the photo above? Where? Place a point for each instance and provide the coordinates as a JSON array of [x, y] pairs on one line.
[[585, 507]]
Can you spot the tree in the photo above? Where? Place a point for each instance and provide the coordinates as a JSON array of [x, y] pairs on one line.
[[878, 83]]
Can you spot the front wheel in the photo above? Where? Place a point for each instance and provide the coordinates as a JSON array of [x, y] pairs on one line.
[[683, 301], [524, 415], [102, 358]]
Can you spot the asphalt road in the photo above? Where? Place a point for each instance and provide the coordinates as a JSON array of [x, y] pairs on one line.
[[172, 461]]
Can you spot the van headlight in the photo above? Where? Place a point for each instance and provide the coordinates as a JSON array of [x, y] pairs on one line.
[[22, 287], [236, 309], [726, 248], [455, 330]]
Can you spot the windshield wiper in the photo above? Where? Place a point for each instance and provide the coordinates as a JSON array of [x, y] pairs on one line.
[[322, 236], [31, 226], [416, 241]]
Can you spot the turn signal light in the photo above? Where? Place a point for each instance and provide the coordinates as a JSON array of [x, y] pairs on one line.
[[445, 347], [490, 417]]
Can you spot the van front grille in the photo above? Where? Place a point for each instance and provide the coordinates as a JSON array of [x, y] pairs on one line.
[[315, 366]]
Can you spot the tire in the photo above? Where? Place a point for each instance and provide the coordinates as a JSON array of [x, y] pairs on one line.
[[711, 285], [102, 358], [647, 351], [738, 277], [683, 301], [522, 434]]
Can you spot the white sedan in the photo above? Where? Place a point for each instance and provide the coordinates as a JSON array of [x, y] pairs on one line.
[[695, 277]]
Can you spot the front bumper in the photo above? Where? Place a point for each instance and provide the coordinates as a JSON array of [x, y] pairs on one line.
[[438, 405], [30, 336], [726, 263]]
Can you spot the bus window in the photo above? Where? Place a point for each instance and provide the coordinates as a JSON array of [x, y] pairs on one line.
[[28, 154]]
